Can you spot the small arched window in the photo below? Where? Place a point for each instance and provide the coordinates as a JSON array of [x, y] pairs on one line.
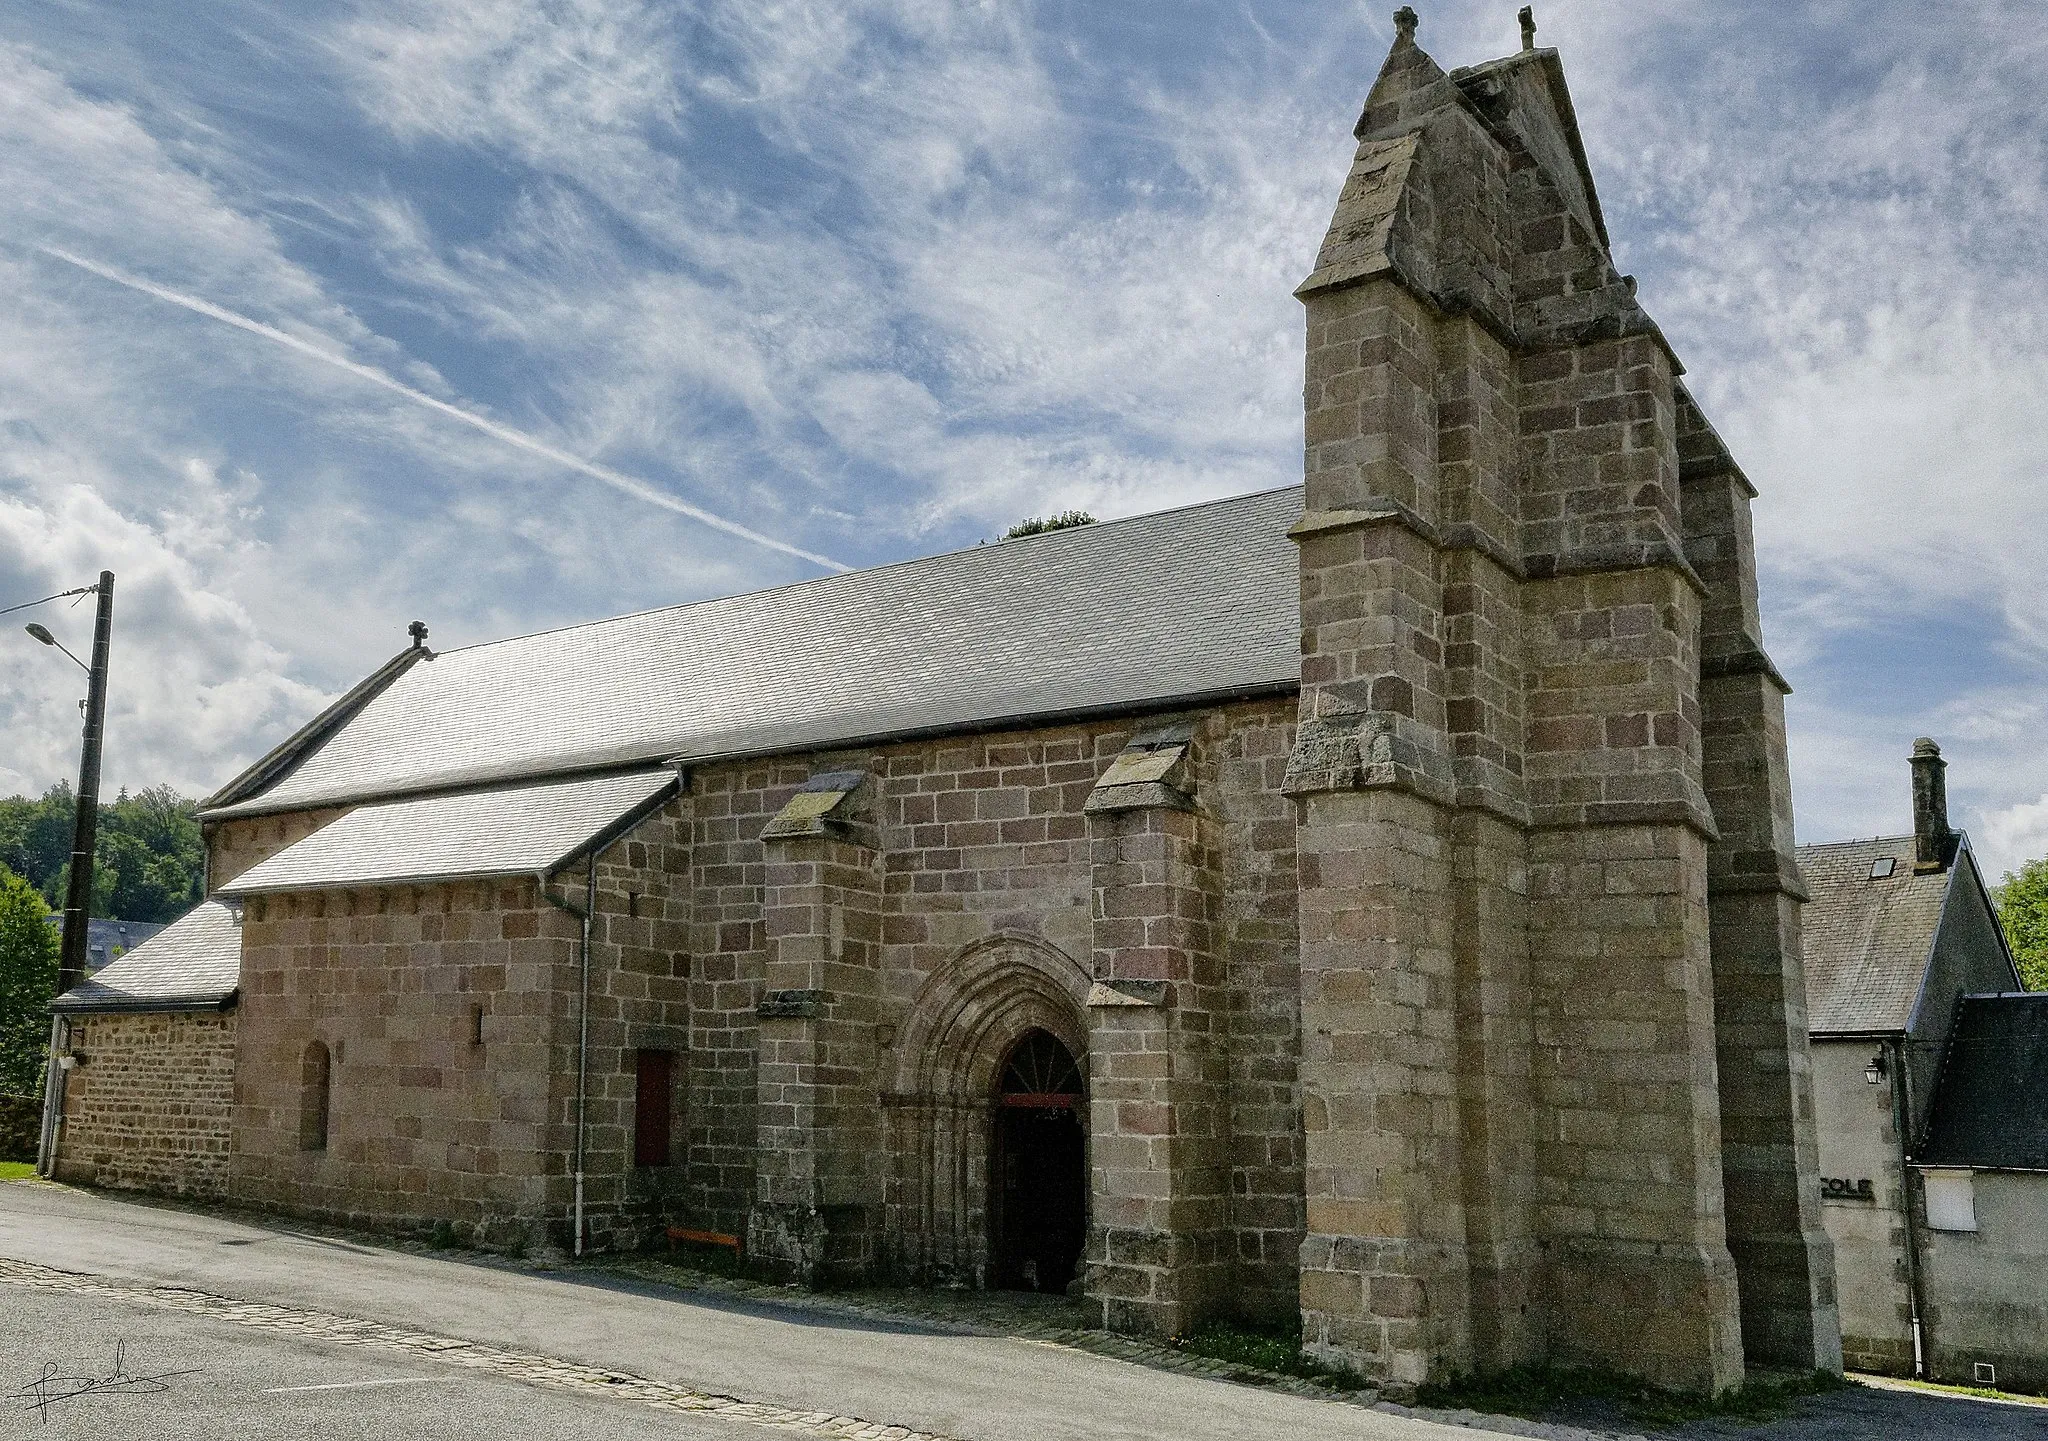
[[315, 1078]]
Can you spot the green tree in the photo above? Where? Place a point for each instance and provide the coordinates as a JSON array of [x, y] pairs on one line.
[[2023, 910], [148, 864], [28, 980], [35, 835], [1065, 520]]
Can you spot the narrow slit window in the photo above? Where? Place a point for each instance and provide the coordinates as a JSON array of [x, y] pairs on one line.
[[653, 1106], [316, 1075]]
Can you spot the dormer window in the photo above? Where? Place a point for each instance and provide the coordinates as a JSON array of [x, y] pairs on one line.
[[1882, 867]]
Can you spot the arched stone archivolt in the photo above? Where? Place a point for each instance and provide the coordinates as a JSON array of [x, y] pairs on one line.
[[973, 1006], [965, 1018]]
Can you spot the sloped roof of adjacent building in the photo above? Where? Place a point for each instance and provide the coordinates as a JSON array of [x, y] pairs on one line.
[[502, 831], [1991, 1100], [1176, 606], [195, 963], [1868, 940]]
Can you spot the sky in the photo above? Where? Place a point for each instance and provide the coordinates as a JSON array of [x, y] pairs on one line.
[[505, 314]]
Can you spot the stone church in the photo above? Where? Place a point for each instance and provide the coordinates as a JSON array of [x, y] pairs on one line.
[[1371, 900]]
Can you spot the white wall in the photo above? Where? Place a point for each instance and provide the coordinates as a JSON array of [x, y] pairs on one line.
[[1854, 1123], [1987, 1290]]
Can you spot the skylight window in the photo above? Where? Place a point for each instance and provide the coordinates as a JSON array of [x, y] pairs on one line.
[[1881, 867]]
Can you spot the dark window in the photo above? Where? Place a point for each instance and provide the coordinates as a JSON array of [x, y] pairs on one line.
[[654, 1087], [315, 1076]]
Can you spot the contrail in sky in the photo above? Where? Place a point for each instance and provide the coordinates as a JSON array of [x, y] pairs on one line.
[[618, 480]]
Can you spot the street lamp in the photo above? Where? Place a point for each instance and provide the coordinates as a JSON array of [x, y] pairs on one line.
[[71, 962], [42, 634]]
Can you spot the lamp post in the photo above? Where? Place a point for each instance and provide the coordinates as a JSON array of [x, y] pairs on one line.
[[71, 962]]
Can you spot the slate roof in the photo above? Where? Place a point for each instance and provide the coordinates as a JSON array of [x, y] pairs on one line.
[[1991, 1101], [195, 963], [507, 831], [1867, 941], [107, 939], [1177, 606]]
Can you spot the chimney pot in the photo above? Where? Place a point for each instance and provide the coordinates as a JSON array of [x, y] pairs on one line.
[[1934, 844]]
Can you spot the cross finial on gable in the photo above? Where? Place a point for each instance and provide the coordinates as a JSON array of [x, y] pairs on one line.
[[1405, 21], [1528, 19]]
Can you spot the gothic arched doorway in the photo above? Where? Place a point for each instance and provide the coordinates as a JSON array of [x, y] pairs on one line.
[[1039, 1189]]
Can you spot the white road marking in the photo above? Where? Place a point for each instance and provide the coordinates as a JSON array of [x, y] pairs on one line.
[[356, 1385]]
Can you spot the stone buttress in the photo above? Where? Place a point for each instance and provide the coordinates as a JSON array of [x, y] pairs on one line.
[[1539, 960], [817, 1166]]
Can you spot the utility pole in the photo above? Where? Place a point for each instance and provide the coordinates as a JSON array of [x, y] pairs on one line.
[[71, 962], [76, 945]]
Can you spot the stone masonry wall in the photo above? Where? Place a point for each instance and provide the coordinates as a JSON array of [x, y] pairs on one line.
[[149, 1109], [983, 860], [449, 1018], [1517, 999], [235, 846], [963, 916]]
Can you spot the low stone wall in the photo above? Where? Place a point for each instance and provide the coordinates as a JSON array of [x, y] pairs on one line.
[[149, 1108], [21, 1124]]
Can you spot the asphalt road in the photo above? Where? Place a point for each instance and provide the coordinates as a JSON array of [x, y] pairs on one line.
[[192, 1367], [160, 1374], [972, 1387]]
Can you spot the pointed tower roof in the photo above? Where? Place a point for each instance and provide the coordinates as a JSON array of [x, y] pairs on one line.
[[1408, 74], [1457, 174], [1525, 95]]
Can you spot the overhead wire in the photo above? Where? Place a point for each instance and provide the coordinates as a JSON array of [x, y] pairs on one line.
[[82, 590]]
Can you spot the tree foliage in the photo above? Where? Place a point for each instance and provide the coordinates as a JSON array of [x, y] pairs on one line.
[[148, 862], [28, 981], [1065, 520], [2023, 910]]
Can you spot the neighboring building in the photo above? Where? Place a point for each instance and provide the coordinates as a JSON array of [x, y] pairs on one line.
[[1899, 931], [1984, 1175], [1371, 901], [149, 1106], [108, 941]]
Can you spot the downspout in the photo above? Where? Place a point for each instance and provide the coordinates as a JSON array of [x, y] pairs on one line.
[[54, 1076], [582, 1021], [1902, 1111], [596, 846]]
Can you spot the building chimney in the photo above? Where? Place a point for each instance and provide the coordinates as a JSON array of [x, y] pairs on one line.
[[1934, 844]]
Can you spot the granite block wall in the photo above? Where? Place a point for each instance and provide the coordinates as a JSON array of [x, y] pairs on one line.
[[445, 1022], [149, 1108]]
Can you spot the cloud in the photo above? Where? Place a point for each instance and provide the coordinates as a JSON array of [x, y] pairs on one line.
[[2014, 835], [625, 484], [182, 646], [880, 277]]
